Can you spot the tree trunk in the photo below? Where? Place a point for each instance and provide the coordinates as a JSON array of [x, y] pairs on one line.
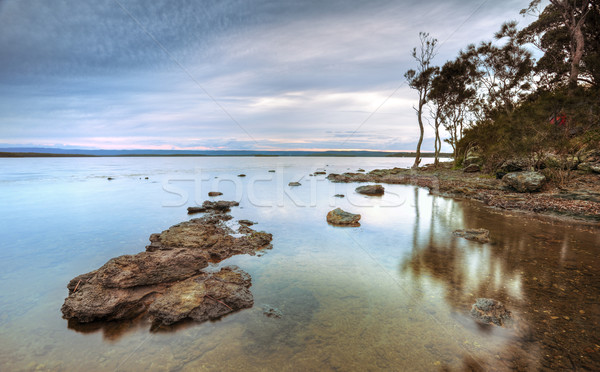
[[422, 129], [577, 54]]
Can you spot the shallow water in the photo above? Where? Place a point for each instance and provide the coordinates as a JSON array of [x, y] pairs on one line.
[[393, 294]]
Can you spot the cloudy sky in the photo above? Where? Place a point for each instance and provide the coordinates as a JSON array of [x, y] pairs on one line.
[[224, 74]]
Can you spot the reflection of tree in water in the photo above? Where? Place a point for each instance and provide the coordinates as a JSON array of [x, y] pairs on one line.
[[542, 272]]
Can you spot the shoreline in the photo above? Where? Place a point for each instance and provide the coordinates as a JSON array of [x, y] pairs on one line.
[[579, 203]]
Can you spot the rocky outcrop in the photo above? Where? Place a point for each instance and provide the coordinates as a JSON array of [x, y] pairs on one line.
[[373, 190], [339, 217], [477, 235], [168, 280], [524, 181], [221, 206], [473, 157], [489, 311], [204, 297]]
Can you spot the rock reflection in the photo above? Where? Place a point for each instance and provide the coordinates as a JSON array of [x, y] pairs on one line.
[[551, 284]]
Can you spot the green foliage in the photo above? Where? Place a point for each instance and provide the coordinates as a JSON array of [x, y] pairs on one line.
[[534, 129]]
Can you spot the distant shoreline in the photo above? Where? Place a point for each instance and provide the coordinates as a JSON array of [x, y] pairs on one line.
[[13, 154]]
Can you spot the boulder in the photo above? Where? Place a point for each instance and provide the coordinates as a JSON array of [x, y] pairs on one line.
[[472, 168], [220, 206], [294, 184], [204, 297], [525, 181], [370, 190], [215, 193], [320, 172], [339, 195], [241, 175], [339, 217], [489, 311], [478, 235]]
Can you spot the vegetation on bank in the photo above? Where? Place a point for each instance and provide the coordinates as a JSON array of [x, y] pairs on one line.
[[496, 99]]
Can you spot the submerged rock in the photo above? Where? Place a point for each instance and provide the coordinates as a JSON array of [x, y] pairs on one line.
[[168, 278], [489, 311], [221, 206], [272, 312], [342, 218], [370, 190], [525, 181], [204, 297], [478, 235]]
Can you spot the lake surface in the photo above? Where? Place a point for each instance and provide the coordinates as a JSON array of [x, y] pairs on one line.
[[393, 294]]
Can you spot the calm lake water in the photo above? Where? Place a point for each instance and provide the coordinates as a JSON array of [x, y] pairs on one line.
[[393, 294]]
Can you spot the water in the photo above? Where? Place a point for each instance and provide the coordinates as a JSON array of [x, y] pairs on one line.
[[393, 294]]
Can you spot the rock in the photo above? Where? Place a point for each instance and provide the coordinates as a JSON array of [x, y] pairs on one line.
[[294, 184], [320, 172], [246, 222], [488, 311], [170, 271], [360, 170], [472, 168], [339, 195], [215, 193], [241, 175], [478, 235], [211, 235], [148, 268], [339, 217], [145, 178], [561, 162], [271, 170], [524, 181], [204, 297], [220, 206], [370, 190], [589, 167], [93, 302], [513, 165], [110, 178]]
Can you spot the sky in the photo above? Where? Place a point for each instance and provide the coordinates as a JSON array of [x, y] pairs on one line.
[[224, 74]]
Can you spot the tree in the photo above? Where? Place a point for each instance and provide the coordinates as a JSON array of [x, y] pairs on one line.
[[502, 74], [561, 31], [451, 94], [420, 80]]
